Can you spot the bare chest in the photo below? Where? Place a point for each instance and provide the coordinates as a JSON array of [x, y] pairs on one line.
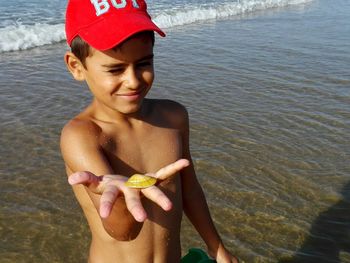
[[141, 151]]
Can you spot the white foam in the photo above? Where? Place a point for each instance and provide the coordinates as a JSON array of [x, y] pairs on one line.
[[21, 37], [168, 20]]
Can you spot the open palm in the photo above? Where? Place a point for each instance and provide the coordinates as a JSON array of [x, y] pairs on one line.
[[111, 186]]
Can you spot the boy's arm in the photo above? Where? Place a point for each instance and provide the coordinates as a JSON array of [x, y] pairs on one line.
[[117, 204], [81, 152], [195, 205]]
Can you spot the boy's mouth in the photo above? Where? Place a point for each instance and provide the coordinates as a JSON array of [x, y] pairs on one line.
[[132, 95]]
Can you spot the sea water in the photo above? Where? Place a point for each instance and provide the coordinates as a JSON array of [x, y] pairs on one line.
[[267, 87], [28, 24]]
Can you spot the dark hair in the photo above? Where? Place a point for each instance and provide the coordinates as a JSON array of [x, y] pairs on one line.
[[81, 49]]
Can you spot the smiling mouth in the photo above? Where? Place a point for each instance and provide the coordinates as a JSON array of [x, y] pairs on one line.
[[134, 93]]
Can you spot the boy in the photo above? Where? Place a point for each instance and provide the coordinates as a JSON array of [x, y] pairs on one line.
[[122, 133]]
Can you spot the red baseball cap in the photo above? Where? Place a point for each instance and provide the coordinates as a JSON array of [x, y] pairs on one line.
[[103, 24]]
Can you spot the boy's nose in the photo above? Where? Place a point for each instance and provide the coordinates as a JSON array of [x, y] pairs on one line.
[[132, 80]]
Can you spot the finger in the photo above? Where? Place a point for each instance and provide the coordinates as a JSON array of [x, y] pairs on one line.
[[171, 169], [154, 194], [134, 205], [107, 200], [82, 178]]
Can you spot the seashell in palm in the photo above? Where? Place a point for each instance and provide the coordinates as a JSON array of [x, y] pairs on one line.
[[140, 181]]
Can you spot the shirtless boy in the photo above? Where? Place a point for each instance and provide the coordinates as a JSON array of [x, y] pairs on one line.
[[122, 133]]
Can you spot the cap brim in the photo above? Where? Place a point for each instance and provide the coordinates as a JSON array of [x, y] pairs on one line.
[[111, 30]]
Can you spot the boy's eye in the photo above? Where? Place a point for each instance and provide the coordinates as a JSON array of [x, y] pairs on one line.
[[115, 71], [145, 64]]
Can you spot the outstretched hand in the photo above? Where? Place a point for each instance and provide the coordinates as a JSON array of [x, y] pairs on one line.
[[111, 186]]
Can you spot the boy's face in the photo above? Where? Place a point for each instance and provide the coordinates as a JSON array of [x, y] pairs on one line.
[[120, 78]]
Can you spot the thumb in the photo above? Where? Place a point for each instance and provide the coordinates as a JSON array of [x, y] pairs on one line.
[[171, 169]]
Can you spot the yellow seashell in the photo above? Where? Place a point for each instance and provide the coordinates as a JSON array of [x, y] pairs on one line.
[[140, 181]]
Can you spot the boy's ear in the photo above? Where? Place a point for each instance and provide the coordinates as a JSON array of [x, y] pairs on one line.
[[75, 66]]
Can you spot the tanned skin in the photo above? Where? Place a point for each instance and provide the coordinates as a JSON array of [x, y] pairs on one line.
[[122, 133]]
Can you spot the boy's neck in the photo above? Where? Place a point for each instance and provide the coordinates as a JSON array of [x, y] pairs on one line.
[[103, 113]]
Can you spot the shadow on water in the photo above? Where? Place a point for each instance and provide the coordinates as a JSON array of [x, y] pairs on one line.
[[329, 235]]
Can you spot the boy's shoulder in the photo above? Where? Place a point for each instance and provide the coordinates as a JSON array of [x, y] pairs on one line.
[[80, 129], [166, 105], [169, 110], [83, 127]]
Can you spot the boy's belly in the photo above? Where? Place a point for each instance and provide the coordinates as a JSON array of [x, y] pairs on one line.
[[154, 244], [157, 242]]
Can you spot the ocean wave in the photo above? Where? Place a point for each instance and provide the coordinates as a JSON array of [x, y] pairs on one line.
[[21, 37], [241, 7]]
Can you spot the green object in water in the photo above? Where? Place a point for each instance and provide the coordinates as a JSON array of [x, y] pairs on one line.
[[196, 255]]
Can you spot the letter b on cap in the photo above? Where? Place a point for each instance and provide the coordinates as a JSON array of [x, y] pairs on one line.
[[101, 6]]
